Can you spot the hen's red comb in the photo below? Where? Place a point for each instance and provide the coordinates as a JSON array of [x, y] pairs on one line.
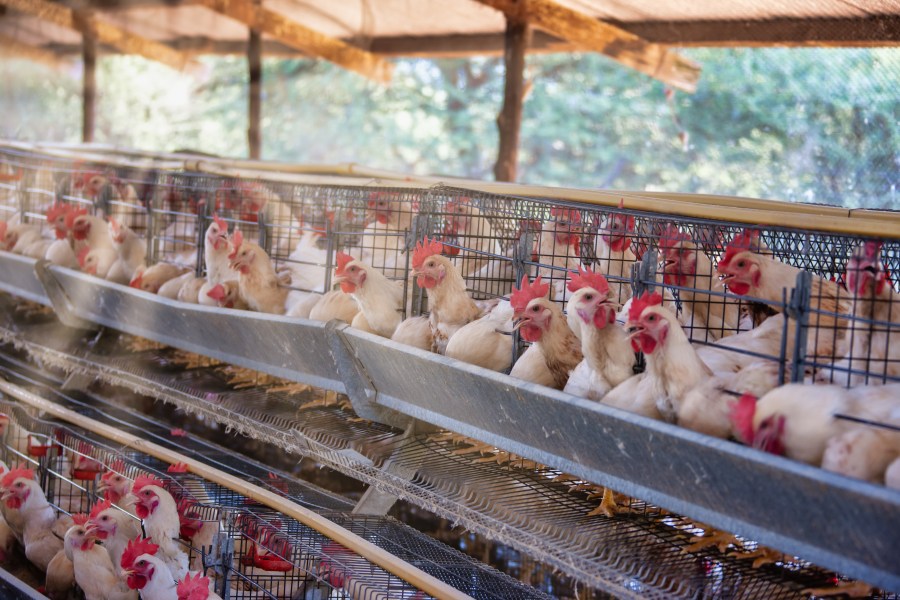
[[99, 507], [14, 474], [567, 214], [742, 414], [587, 278], [527, 292], [177, 468], [143, 481], [746, 240], [671, 237], [79, 518], [638, 305], [343, 259], [57, 210], [221, 223], [193, 589], [73, 214], [424, 249], [217, 292], [135, 548], [82, 255], [237, 239]]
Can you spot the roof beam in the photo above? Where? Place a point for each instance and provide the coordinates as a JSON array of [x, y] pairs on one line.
[[307, 40], [589, 33], [10, 47], [104, 33]]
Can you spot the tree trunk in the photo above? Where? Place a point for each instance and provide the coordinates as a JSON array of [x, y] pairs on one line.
[[509, 122]]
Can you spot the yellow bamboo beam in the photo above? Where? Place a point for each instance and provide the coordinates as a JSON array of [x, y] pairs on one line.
[[588, 33], [303, 38], [384, 559], [12, 48], [104, 33]]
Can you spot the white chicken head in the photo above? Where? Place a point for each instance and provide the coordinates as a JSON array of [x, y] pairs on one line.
[[80, 536], [865, 275], [117, 232], [648, 323], [56, 218], [380, 208], [566, 226], [678, 255], [739, 268], [148, 493], [113, 485], [217, 234], [615, 232], [428, 266], [139, 563], [243, 255], [349, 272], [104, 519], [532, 309], [79, 223], [762, 431], [18, 485], [590, 298]]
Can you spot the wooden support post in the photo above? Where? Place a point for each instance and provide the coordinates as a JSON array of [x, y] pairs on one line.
[[509, 121], [88, 79], [254, 112]]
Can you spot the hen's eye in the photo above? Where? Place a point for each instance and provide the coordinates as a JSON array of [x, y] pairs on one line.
[[535, 308], [589, 297], [741, 264], [651, 318]]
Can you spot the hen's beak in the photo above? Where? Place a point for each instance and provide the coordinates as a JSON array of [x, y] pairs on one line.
[[7, 494], [633, 330], [519, 321]]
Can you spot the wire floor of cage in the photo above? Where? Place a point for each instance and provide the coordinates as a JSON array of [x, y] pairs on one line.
[[642, 552]]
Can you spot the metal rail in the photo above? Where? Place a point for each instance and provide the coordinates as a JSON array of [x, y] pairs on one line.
[[701, 206]]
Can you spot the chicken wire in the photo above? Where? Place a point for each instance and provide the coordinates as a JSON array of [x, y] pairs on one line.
[[493, 239], [643, 552]]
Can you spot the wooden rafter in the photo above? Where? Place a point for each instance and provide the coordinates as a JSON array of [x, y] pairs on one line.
[[307, 40], [104, 33], [588, 33], [12, 48]]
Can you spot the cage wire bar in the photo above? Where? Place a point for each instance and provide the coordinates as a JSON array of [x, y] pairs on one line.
[[495, 239]]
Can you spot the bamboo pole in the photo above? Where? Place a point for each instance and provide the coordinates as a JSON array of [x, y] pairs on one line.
[[384, 559], [11, 47], [254, 113], [509, 121]]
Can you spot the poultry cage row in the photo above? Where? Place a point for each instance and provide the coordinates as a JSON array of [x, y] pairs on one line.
[[644, 552], [495, 240], [248, 550]]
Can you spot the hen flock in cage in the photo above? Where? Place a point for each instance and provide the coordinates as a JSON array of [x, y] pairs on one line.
[[778, 338], [119, 523]]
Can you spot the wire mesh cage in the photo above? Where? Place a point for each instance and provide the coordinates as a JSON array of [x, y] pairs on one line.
[[825, 331]]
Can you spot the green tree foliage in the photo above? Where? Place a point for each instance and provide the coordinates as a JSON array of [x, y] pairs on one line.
[[817, 125]]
